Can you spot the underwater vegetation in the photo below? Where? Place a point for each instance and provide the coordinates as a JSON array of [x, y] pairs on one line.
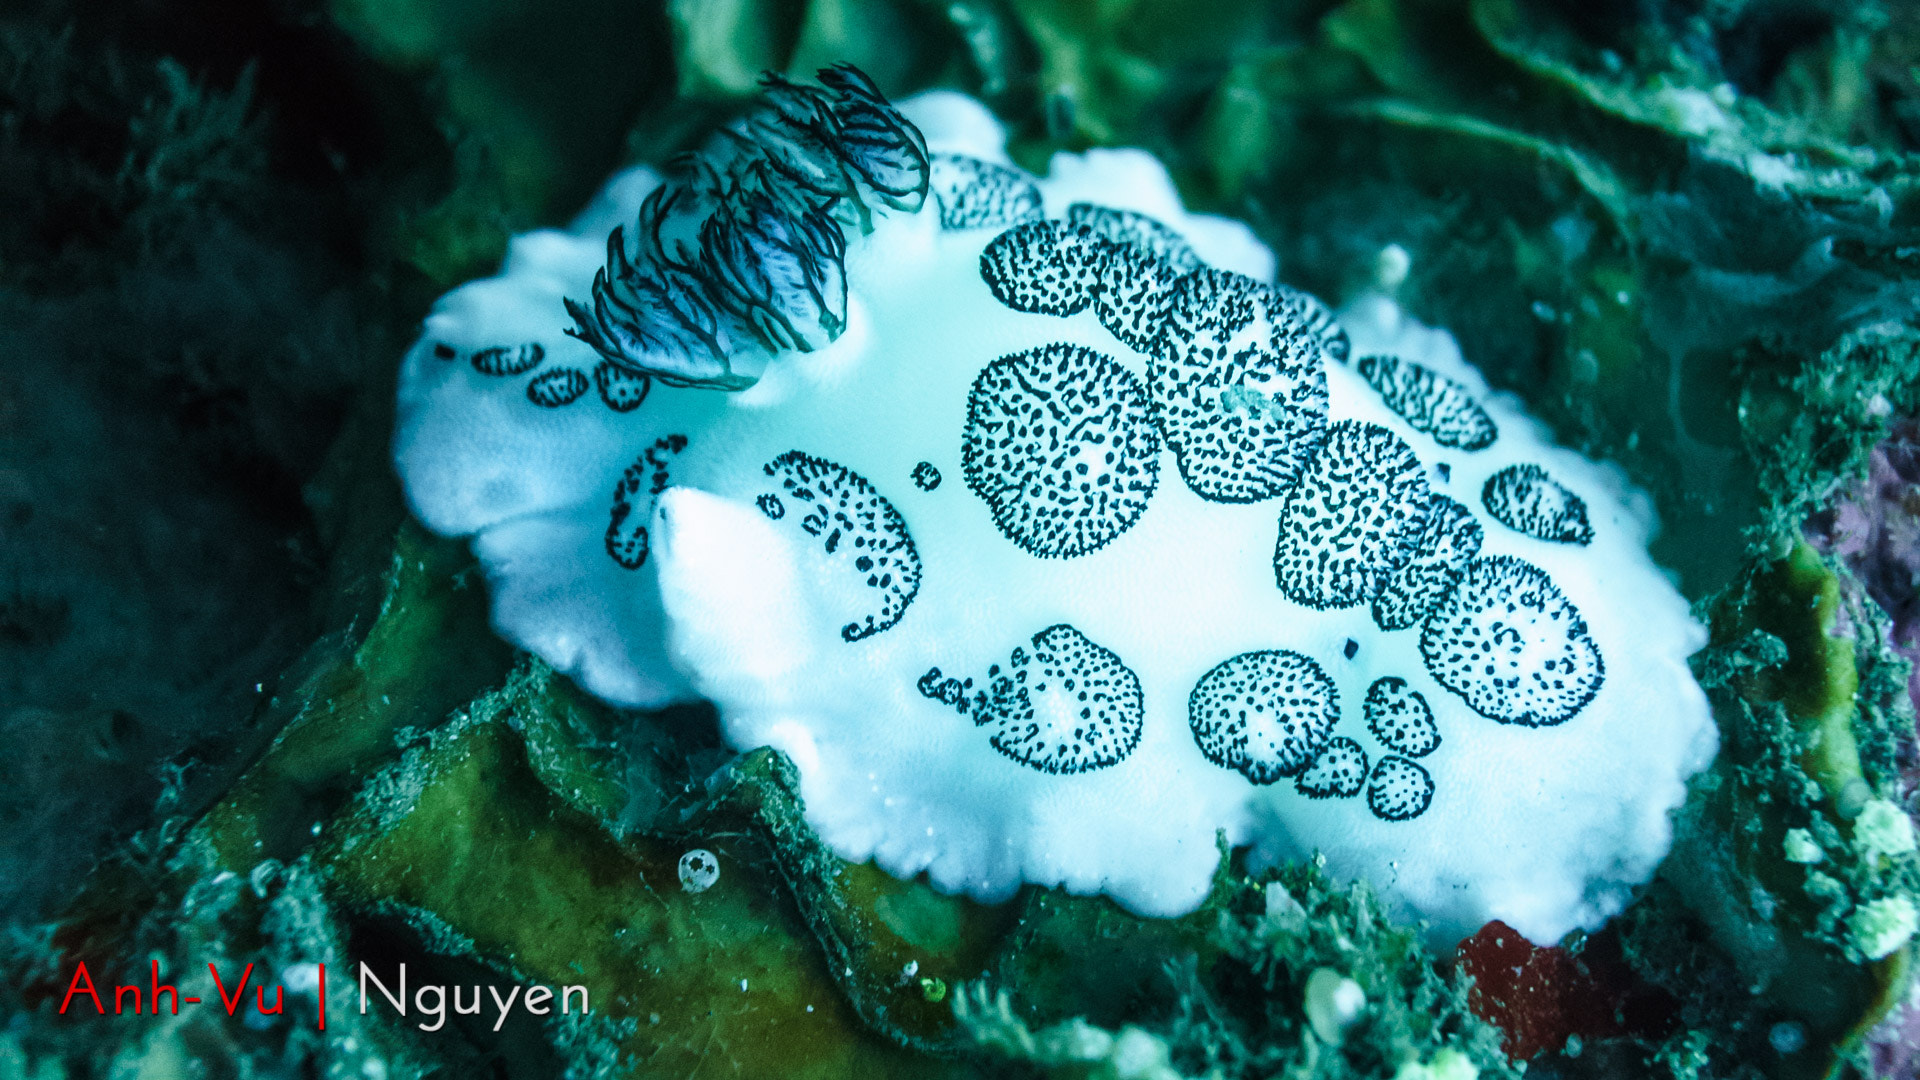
[[254, 713]]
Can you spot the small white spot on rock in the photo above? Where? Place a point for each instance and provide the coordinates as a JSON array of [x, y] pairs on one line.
[[301, 979], [1333, 1003], [1390, 267], [699, 869], [1799, 846]]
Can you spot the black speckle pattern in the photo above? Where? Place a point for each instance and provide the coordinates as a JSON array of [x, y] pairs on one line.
[[1399, 717], [1061, 445], [1069, 706], [1449, 540], [1352, 520], [1431, 403], [1264, 714], [861, 533], [1239, 387], [1339, 772], [926, 476], [938, 686], [1320, 322], [561, 386], [1142, 261], [1133, 229], [633, 499], [1398, 789], [621, 390], [508, 359], [1512, 645], [975, 194], [1525, 499], [1134, 291], [1044, 267]]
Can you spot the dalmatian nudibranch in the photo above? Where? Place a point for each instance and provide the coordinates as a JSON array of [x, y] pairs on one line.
[[1049, 536]]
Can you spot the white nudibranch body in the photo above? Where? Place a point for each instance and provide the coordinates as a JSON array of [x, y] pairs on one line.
[[1072, 541]]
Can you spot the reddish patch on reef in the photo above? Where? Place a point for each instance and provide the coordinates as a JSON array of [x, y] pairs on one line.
[[1538, 997]]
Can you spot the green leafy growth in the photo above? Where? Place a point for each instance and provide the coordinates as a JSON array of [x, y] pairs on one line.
[[463, 838], [533, 110], [721, 47], [1250, 1015], [888, 944], [340, 708], [1811, 428], [1789, 917], [1086, 957], [1251, 998]]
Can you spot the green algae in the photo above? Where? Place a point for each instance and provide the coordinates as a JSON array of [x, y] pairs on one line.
[[534, 110], [579, 749], [887, 943], [1084, 957], [165, 900], [1797, 600], [1811, 704], [1241, 971], [462, 828], [1810, 426], [880, 934], [1276, 930], [428, 652], [1787, 691]]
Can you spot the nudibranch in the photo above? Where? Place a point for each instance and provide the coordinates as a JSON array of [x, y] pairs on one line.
[[1049, 536]]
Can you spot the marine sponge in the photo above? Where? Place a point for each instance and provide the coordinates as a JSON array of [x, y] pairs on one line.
[[1219, 561]]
